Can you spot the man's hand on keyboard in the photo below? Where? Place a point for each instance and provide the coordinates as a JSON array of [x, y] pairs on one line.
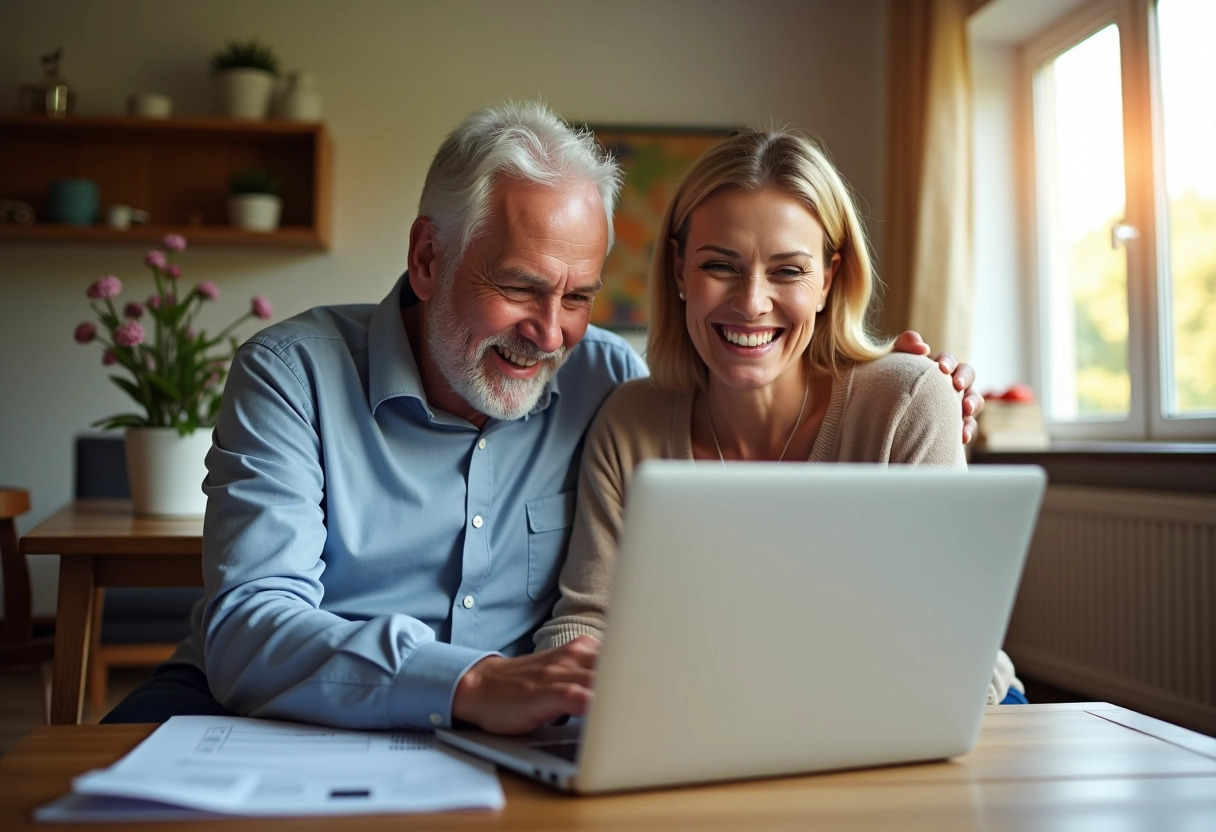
[[514, 696]]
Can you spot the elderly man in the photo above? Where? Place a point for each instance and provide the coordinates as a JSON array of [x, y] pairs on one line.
[[390, 488]]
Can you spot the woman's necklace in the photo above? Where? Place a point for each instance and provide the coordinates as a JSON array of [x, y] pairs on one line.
[[798, 421]]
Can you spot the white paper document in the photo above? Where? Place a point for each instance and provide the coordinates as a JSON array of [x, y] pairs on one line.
[[240, 766]]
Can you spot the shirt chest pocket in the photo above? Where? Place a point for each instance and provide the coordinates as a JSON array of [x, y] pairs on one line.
[[549, 522]]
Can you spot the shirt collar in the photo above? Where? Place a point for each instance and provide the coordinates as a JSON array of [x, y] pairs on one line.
[[392, 370], [392, 367]]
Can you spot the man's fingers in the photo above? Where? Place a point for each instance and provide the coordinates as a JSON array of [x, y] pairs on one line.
[[910, 342], [582, 652], [583, 647], [575, 699], [559, 675], [948, 363], [511, 696], [964, 376], [969, 428], [973, 404], [538, 708]]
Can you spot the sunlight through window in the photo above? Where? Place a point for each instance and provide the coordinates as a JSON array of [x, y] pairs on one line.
[[1081, 193], [1187, 63]]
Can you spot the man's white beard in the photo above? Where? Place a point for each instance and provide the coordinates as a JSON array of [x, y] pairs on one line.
[[462, 363]]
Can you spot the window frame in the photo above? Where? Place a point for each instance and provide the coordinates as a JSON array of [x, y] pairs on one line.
[[1146, 208]]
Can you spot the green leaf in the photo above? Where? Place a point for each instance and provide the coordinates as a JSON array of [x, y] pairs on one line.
[[129, 388], [165, 386], [247, 54], [122, 420]]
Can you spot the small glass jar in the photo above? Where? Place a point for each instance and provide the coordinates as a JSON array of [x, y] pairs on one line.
[[51, 95]]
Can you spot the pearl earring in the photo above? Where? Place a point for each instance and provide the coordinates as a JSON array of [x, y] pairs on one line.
[[683, 298], [819, 308]]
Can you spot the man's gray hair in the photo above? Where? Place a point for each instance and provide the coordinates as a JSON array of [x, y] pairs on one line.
[[524, 140]]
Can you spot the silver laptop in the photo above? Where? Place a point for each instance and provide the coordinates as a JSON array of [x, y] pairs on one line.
[[774, 619]]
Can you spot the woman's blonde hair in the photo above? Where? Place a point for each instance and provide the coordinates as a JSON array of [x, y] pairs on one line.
[[751, 160]]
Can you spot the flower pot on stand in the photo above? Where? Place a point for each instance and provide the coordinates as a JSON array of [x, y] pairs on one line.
[[246, 93], [254, 212], [166, 471]]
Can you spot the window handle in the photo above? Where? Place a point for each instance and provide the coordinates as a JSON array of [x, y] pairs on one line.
[[1121, 232]]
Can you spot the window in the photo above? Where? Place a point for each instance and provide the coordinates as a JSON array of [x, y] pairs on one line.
[[1120, 107], [1079, 200]]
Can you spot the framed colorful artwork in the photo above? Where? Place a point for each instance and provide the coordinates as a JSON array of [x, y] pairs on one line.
[[653, 159]]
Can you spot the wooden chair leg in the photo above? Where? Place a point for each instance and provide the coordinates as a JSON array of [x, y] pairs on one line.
[[98, 671], [18, 644], [46, 673]]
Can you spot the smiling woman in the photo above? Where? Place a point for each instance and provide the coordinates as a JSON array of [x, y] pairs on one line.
[[750, 267], [759, 351]]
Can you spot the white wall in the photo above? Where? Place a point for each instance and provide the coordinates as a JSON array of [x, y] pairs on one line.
[[1001, 266], [1004, 304], [395, 76]]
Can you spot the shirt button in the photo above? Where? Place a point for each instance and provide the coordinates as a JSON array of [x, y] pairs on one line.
[[477, 521], [482, 444], [468, 602], [436, 719]]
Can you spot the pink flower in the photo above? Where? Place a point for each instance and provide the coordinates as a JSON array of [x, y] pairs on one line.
[[166, 361], [105, 287], [130, 334]]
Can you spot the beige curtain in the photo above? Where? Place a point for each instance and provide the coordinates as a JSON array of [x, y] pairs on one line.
[[927, 262]]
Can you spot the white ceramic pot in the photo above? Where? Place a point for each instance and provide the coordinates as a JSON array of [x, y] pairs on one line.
[[166, 471], [254, 212], [246, 93], [150, 105], [299, 101]]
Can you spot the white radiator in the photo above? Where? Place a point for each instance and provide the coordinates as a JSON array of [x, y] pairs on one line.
[[1118, 601]]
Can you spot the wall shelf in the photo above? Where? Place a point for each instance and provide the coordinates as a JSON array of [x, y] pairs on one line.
[[176, 169]]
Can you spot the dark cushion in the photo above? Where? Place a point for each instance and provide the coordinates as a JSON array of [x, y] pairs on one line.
[[151, 602], [101, 467], [134, 631]]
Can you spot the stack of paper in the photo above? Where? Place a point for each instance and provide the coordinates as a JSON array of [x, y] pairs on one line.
[[194, 765]]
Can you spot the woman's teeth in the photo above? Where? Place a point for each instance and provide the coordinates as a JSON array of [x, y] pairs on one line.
[[749, 339]]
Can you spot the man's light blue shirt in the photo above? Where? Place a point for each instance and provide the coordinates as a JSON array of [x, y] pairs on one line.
[[362, 549]]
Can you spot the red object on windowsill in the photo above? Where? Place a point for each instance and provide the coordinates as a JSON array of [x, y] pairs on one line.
[[1017, 393]]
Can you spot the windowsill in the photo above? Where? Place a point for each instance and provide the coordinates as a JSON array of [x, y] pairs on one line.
[[1165, 466], [1077, 447]]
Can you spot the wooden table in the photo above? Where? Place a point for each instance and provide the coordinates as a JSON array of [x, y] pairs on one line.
[[1059, 767], [102, 543]]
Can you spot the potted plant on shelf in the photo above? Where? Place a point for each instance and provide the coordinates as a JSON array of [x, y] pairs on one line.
[[174, 372], [255, 202], [247, 71]]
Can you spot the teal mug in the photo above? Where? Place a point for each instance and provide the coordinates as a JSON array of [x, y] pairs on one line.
[[73, 201]]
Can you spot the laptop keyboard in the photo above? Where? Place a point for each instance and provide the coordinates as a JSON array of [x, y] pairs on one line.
[[566, 749]]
